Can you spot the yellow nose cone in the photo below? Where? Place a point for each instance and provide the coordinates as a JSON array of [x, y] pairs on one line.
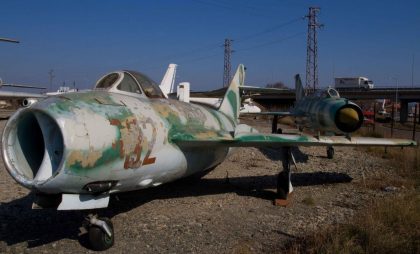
[[348, 116]]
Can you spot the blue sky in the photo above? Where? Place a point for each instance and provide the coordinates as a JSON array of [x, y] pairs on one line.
[[83, 40]]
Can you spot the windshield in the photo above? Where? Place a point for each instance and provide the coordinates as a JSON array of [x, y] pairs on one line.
[[128, 84], [332, 93], [150, 88], [107, 81]]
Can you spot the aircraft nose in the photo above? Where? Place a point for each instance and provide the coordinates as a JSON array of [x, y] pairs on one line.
[[349, 119]]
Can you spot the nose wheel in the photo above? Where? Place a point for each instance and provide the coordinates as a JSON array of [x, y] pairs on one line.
[[330, 152], [101, 232]]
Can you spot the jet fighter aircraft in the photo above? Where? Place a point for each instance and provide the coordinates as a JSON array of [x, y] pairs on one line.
[[322, 112], [80, 148]]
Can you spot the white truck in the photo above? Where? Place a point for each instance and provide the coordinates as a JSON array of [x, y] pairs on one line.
[[353, 83]]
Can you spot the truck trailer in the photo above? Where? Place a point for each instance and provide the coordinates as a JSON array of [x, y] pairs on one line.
[[353, 83]]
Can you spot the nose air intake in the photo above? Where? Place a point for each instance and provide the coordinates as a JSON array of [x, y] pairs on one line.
[[32, 147], [349, 118]]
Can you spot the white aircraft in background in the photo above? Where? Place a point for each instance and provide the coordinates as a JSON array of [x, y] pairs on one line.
[[167, 85], [11, 100]]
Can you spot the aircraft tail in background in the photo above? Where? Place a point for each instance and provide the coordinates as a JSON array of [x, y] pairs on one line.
[[168, 82]]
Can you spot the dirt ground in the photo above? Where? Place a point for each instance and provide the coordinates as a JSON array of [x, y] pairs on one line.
[[230, 210]]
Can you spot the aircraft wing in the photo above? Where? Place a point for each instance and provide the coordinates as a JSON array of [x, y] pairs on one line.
[[244, 89], [263, 90], [254, 139], [9, 94]]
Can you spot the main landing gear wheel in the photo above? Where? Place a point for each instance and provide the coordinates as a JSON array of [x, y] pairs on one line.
[[330, 152], [101, 233]]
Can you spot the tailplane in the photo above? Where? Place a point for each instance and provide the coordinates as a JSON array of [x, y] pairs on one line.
[[232, 101], [168, 82]]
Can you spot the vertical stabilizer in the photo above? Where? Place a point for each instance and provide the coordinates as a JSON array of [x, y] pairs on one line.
[[300, 93], [168, 82], [232, 100]]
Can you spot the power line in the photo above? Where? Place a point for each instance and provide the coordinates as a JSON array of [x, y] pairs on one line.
[[188, 54], [271, 42], [229, 7], [269, 30]]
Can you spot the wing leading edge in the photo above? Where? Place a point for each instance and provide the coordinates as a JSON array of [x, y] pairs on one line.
[[254, 139]]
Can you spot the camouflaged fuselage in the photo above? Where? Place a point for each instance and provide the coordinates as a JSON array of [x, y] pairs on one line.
[[320, 114], [99, 136]]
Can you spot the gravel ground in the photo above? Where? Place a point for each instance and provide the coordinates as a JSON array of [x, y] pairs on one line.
[[229, 210]]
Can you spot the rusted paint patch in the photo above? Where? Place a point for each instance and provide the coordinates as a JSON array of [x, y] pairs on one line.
[[84, 159]]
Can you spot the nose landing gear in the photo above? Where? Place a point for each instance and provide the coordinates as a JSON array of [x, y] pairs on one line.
[[101, 232], [330, 152]]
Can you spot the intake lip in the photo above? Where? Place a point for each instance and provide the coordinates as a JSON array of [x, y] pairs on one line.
[[33, 147], [349, 118]]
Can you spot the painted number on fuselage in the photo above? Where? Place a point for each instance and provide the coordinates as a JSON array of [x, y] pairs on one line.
[[132, 142]]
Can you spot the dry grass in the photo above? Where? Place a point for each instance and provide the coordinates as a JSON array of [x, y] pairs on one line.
[[404, 160], [309, 201], [287, 120], [390, 226], [368, 132], [387, 226]]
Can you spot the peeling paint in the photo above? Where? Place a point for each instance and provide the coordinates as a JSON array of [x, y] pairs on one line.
[[83, 159]]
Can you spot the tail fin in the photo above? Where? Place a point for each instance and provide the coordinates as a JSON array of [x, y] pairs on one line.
[[299, 88], [168, 82], [232, 100]]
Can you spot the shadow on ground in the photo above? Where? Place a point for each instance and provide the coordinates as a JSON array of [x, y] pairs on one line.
[[275, 154], [38, 227]]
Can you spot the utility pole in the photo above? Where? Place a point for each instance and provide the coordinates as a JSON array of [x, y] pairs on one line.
[[312, 50], [227, 63], [412, 72], [52, 76]]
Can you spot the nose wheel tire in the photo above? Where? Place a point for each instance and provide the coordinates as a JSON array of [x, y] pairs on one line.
[[330, 152], [99, 240]]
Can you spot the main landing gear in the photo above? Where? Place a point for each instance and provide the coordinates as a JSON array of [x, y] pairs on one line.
[[284, 184], [100, 231]]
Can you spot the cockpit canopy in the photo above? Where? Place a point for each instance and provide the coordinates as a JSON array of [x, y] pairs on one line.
[[328, 93], [129, 82]]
